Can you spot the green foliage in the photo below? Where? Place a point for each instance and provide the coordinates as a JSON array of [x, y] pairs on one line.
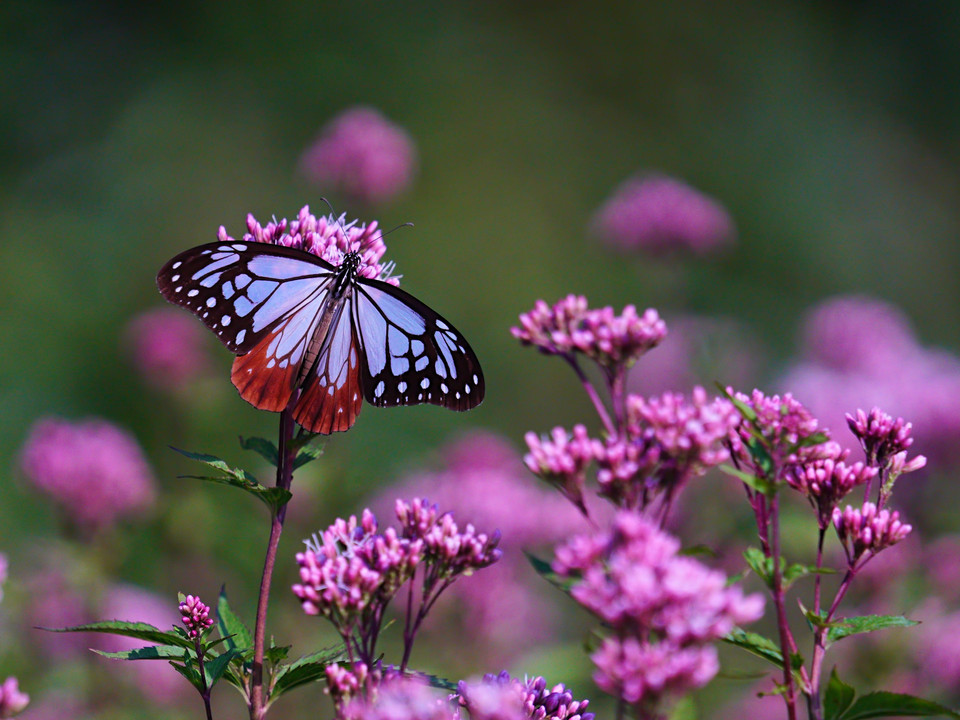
[[237, 635], [545, 571], [839, 704], [864, 624], [272, 497], [304, 670], [790, 572]]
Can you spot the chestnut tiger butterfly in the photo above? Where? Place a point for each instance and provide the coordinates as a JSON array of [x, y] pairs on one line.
[[295, 321]]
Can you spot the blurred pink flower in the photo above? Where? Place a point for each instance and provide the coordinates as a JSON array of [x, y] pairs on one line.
[[860, 353], [363, 155], [94, 470], [57, 601], [3, 572], [758, 703], [659, 215], [156, 680], [167, 347], [937, 644], [56, 705], [12, 701], [941, 560], [483, 478]]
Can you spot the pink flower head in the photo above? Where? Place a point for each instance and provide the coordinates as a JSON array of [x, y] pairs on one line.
[[643, 672], [658, 215], [609, 339], [3, 572], [634, 580], [167, 348], [880, 435], [688, 433], [196, 616], [363, 155], [94, 470], [327, 237], [501, 696], [857, 333], [447, 548], [867, 529], [12, 701], [398, 698], [131, 603], [788, 430], [826, 481], [562, 460]]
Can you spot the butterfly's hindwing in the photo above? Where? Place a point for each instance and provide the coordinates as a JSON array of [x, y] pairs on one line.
[[243, 291], [411, 354], [332, 395]]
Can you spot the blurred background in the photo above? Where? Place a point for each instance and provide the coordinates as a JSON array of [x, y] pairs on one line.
[[800, 233]]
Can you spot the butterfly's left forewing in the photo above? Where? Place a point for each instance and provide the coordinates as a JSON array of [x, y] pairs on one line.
[[243, 291], [411, 355]]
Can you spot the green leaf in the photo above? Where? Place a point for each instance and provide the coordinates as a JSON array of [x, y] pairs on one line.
[[263, 447], [229, 624], [745, 410], [138, 630], [838, 698], [795, 571], [273, 497], [756, 644], [215, 668], [866, 623], [759, 563], [545, 571], [436, 681], [818, 438], [762, 486], [305, 670], [308, 453], [190, 673], [277, 653], [888, 704], [151, 652]]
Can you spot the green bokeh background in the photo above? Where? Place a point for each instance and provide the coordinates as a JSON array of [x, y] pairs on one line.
[[129, 132]]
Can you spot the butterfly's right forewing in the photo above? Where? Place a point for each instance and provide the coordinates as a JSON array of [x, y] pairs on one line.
[[245, 291]]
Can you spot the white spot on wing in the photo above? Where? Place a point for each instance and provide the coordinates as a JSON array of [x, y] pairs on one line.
[[211, 301], [378, 390], [193, 293], [241, 335], [177, 264], [425, 383], [225, 320]]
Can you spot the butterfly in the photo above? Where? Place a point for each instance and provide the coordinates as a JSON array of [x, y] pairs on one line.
[[298, 323]]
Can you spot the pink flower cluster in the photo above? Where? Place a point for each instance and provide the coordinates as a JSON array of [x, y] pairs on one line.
[[327, 237], [659, 214], [3, 572], [663, 608], [501, 696], [196, 616], [397, 698], [666, 441], [883, 438], [167, 348], [826, 481], [12, 701], [868, 530], [787, 428], [569, 327], [860, 352], [350, 573], [94, 470], [363, 155], [562, 460]]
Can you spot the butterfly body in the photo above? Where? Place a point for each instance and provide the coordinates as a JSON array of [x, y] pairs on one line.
[[321, 337]]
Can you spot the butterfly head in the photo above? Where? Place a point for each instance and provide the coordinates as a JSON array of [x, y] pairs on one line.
[[351, 263]]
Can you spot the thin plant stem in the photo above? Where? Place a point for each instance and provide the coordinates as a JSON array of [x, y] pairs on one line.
[[592, 394], [814, 707], [284, 479], [203, 679], [790, 692]]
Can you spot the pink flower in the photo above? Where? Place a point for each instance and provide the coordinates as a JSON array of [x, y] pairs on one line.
[[570, 327], [57, 601], [868, 530], [195, 615], [363, 155], [562, 460], [12, 701], [94, 470], [497, 697], [167, 347], [641, 672], [659, 214], [786, 427], [3, 572], [399, 699], [482, 477], [156, 680], [826, 481], [327, 237]]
